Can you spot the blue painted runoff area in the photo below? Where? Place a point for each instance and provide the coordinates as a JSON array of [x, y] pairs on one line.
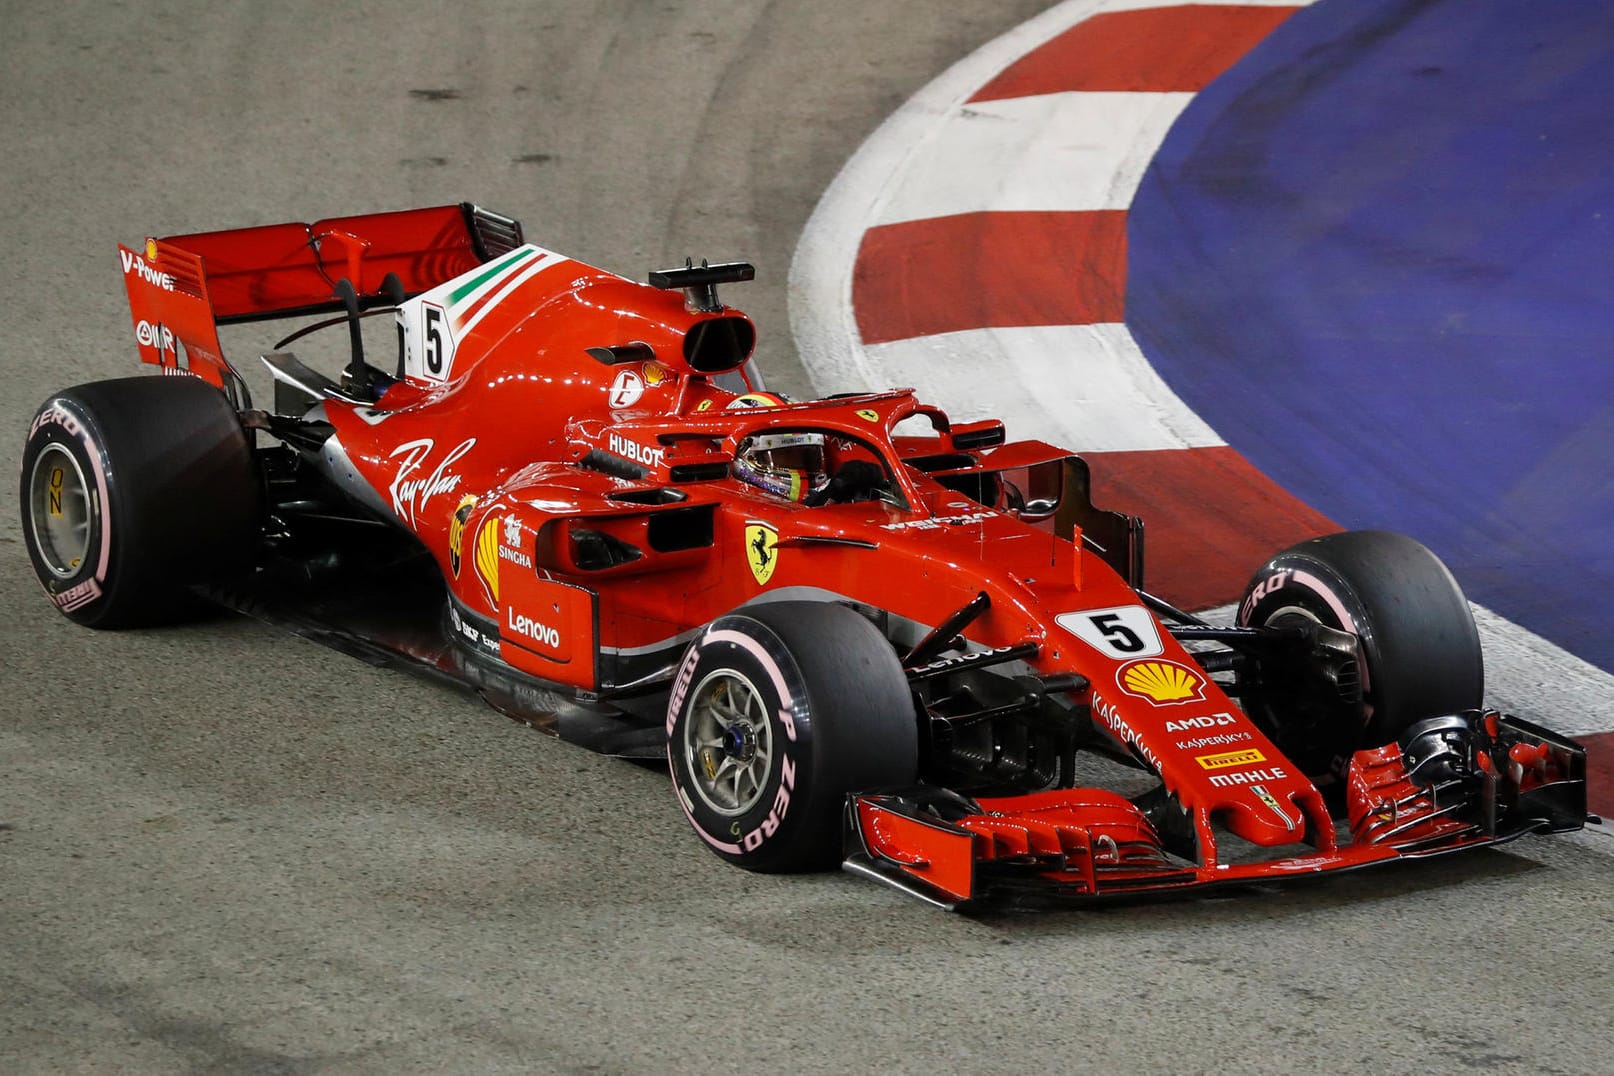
[[1377, 256]]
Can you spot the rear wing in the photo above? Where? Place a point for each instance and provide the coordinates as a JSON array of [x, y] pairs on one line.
[[182, 287]]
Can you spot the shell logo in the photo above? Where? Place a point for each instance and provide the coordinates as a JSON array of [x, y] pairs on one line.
[[456, 531], [1164, 683], [654, 373], [487, 556]]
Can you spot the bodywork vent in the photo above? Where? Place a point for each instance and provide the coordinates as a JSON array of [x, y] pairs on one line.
[[717, 345]]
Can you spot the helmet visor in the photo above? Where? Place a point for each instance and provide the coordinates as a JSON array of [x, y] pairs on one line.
[[809, 458]]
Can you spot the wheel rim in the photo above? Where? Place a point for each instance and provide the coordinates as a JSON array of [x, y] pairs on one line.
[[1296, 610], [60, 511], [728, 743]]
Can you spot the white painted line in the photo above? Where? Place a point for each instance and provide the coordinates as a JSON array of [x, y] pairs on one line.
[[1531, 677], [1057, 151], [1083, 387], [1138, 5], [820, 288]]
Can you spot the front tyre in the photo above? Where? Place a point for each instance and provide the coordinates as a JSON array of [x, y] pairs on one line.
[[1417, 649], [132, 490], [778, 712]]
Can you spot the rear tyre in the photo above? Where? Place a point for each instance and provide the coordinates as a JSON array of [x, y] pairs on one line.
[[1418, 652], [778, 712], [132, 491]]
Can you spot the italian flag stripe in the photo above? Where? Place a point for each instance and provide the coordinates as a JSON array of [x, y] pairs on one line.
[[490, 272]]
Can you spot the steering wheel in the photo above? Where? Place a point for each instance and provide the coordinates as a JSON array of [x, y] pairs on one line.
[[856, 480]]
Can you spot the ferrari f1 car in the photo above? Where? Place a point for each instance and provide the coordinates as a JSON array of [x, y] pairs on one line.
[[857, 631]]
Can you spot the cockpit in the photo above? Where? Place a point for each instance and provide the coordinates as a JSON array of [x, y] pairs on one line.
[[814, 467]]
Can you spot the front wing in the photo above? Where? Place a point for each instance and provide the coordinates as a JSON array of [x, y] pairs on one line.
[[1465, 781]]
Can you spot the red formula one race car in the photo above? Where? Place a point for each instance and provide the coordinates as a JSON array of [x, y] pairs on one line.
[[858, 632]]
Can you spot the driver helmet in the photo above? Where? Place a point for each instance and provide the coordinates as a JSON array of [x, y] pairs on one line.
[[788, 465], [756, 399]]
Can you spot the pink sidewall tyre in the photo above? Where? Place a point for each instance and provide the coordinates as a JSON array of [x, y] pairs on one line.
[[778, 712]]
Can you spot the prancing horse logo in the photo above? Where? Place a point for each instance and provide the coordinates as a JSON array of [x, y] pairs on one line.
[[761, 551]]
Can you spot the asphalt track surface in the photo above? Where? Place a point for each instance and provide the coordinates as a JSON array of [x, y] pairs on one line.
[[224, 849]]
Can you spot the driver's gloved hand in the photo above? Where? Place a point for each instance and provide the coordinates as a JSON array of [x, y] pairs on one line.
[[856, 480]]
